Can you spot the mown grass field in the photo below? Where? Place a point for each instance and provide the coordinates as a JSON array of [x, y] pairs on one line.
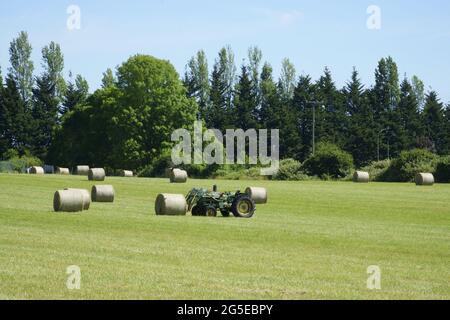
[[314, 240]]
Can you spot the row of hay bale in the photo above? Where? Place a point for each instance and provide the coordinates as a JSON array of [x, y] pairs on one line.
[[94, 174], [421, 179], [75, 200]]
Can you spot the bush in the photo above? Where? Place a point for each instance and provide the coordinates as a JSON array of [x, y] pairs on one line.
[[442, 173], [377, 169], [230, 172], [408, 165], [19, 164], [290, 170], [329, 162]]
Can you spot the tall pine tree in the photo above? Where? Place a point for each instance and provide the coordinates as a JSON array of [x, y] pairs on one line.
[[303, 103], [45, 114], [409, 117], [196, 81], [76, 94], [433, 119], [244, 102], [18, 124], [360, 139]]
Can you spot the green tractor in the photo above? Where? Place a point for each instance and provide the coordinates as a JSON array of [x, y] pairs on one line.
[[202, 202], [207, 203]]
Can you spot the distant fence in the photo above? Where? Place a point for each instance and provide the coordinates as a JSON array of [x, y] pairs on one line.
[[7, 167]]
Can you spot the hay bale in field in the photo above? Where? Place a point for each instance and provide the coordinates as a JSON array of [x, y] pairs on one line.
[[171, 205], [96, 174], [104, 193], [63, 171], [86, 197], [424, 179], [82, 170], [361, 177], [69, 201], [258, 195], [126, 173], [36, 170], [178, 176]]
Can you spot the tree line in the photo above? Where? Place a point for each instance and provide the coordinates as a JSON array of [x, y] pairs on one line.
[[128, 121], [393, 115]]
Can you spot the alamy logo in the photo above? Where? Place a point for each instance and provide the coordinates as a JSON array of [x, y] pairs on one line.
[[374, 280], [193, 150], [74, 19], [74, 278], [374, 20]]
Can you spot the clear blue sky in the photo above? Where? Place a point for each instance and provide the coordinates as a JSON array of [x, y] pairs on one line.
[[313, 34]]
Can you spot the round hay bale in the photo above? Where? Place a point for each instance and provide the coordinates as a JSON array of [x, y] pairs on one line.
[[126, 173], [96, 174], [86, 197], [36, 170], [63, 171], [361, 177], [82, 170], [178, 176], [258, 195], [104, 193], [171, 205], [424, 179], [68, 201]]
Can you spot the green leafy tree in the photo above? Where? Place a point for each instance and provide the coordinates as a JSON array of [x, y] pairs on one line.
[[226, 58], [153, 104], [130, 124], [254, 68], [418, 89], [287, 80], [108, 79], [53, 65], [4, 143], [21, 70]]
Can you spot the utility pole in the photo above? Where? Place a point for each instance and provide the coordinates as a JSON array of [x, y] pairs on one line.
[[314, 103], [378, 143], [314, 131]]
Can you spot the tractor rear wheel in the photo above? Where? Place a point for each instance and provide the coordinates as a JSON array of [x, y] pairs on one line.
[[243, 207]]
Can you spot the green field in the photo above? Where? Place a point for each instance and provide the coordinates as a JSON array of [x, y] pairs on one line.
[[314, 240]]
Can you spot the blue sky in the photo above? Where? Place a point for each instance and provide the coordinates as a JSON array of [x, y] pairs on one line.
[[313, 34]]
